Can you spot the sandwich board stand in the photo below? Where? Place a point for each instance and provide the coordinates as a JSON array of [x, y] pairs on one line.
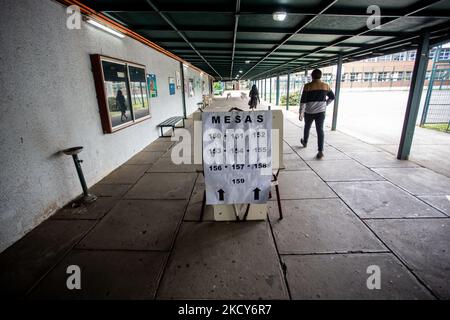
[[241, 160]]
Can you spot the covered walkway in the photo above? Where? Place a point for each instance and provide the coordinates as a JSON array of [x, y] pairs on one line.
[[357, 207], [111, 73]]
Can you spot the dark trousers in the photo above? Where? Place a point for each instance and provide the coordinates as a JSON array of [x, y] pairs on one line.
[[319, 118]]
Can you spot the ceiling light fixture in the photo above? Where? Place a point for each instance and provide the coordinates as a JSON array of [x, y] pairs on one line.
[[240, 71], [279, 15], [105, 28], [247, 61]]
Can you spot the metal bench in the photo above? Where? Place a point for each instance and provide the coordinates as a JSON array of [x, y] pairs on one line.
[[171, 122]]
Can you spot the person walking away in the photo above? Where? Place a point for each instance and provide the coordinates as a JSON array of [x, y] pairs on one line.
[[254, 98], [316, 96], [120, 101]]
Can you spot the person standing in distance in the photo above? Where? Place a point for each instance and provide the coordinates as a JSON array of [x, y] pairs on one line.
[[316, 96], [254, 98]]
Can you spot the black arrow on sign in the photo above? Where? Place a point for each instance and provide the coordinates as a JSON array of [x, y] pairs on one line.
[[256, 191], [221, 193]]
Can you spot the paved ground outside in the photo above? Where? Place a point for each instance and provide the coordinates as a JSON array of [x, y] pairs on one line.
[[380, 116], [356, 208], [376, 117]]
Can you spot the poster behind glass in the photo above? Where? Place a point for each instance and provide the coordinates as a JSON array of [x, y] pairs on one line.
[[191, 88], [152, 86], [115, 77], [139, 96], [171, 86]]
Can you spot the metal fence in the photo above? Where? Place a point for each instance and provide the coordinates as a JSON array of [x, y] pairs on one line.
[[436, 109]]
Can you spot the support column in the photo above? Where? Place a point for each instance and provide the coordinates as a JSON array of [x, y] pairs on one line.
[[287, 90], [262, 89], [415, 94], [277, 92], [183, 93], [337, 92], [270, 90], [265, 89]]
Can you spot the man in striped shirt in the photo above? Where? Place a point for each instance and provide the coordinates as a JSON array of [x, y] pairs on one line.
[[316, 96]]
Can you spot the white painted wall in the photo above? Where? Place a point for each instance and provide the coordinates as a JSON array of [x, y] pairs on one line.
[[191, 102], [48, 103]]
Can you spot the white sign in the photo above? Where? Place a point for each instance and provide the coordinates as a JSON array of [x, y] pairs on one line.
[[237, 156]]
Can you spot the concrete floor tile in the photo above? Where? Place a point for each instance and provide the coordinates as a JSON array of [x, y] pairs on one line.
[[434, 157], [381, 199], [424, 246], [163, 186], [195, 204], [22, 264], [336, 137], [332, 277], [92, 211], [177, 152], [293, 141], [380, 160], [310, 153], [320, 226], [418, 181], [302, 185], [137, 225], [126, 174], [293, 162], [355, 147], [292, 135], [441, 203], [109, 190], [145, 157], [200, 179], [343, 170], [105, 275], [166, 165], [287, 149], [214, 260], [159, 145]]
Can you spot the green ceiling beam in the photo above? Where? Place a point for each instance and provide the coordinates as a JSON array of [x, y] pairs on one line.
[[413, 9]]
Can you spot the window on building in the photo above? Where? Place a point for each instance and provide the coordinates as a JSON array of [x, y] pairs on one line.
[[385, 58], [432, 53], [327, 77], [138, 87], [368, 76], [401, 56], [121, 92], [382, 76], [444, 55], [411, 55]]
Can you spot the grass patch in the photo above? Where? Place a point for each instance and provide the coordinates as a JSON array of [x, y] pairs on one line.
[[437, 126]]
